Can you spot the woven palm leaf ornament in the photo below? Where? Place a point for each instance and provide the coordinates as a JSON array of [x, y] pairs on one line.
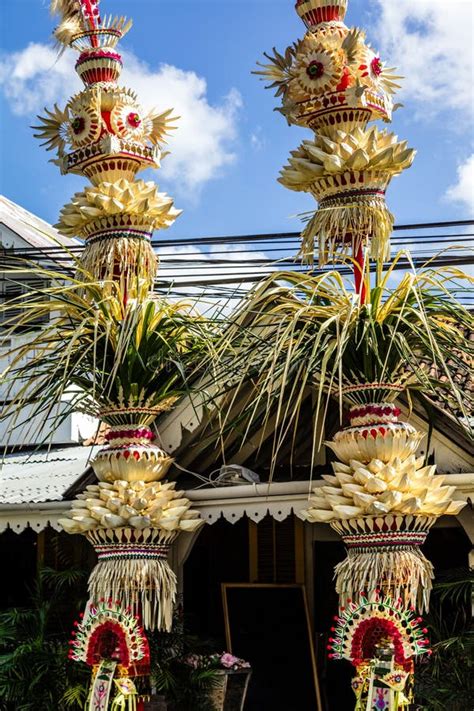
[[132, 515], [382, 500], [381, 639], [111, 641], [381, 497], [104, 134], [334, 83]]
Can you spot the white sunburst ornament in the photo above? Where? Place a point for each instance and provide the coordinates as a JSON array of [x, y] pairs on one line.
[[320, 71], [374, 69]]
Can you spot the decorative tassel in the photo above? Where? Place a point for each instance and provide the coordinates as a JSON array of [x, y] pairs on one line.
[[404, 573], [343, 224], [119, 257], [136, 574]]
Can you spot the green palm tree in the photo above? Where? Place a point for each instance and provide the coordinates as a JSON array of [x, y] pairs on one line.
[[445, 681], [35, 672]]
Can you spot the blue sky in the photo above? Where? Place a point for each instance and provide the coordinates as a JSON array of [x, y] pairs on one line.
[[199, 53]]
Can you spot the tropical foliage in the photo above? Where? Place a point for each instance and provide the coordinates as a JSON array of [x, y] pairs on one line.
[[446, 679], [301, 331], [186, 687], [35, 672], [103, 347]]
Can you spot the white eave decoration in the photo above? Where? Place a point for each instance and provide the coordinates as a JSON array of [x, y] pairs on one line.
[[279, 499]]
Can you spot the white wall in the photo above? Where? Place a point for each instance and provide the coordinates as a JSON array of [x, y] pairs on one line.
[[26, 430], [30, 431]]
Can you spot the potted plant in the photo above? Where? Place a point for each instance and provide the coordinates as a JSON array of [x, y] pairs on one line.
[[35, 671], [232, 678], [189, 676]]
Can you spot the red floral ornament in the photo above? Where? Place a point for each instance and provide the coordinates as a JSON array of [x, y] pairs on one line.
[[376, 66], [134, 120]]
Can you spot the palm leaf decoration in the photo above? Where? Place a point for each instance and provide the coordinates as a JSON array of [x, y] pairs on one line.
[[300, 332], [278, 70], [101, 349]]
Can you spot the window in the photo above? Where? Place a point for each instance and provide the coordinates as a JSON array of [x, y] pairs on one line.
[[16, 289]]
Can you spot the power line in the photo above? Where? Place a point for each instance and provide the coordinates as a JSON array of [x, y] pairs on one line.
[[244, 260], [266, 237]]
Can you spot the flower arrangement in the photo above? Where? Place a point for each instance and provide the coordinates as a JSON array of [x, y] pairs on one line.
[[224, 661]]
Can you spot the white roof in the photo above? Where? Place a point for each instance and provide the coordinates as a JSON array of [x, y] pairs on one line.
[[40, 476], [34, 230]]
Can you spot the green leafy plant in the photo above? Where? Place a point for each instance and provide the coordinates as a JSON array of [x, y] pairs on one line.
[[186, 687], [302, 331], [103, 347], [35, 672], [445, 681]]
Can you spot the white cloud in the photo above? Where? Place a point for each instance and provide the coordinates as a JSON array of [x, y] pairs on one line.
[[431, 42], [200, 148], [257, 139], [463, 190], [36, 77]]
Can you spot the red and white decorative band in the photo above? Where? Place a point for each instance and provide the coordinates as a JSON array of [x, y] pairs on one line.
[[129, 434], [374, 413], [375, 430], [313, 12], [99, 54], [322, 14], [131, 551], [396, 539]]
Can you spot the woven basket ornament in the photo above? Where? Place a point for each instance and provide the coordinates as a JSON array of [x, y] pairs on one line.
[[334, 83], [131, 517], [104, 134], [382, 500]]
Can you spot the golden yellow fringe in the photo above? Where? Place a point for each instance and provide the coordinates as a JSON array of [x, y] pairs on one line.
[[344, 228], [405, 574], [147, 587], [120, 257]]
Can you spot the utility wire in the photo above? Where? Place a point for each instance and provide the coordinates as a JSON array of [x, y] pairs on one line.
[[269, 237]]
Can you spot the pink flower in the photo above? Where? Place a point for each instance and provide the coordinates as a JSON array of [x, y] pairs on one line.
[[228, 660]]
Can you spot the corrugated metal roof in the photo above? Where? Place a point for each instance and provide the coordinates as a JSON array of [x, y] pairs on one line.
[[40, 476]]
